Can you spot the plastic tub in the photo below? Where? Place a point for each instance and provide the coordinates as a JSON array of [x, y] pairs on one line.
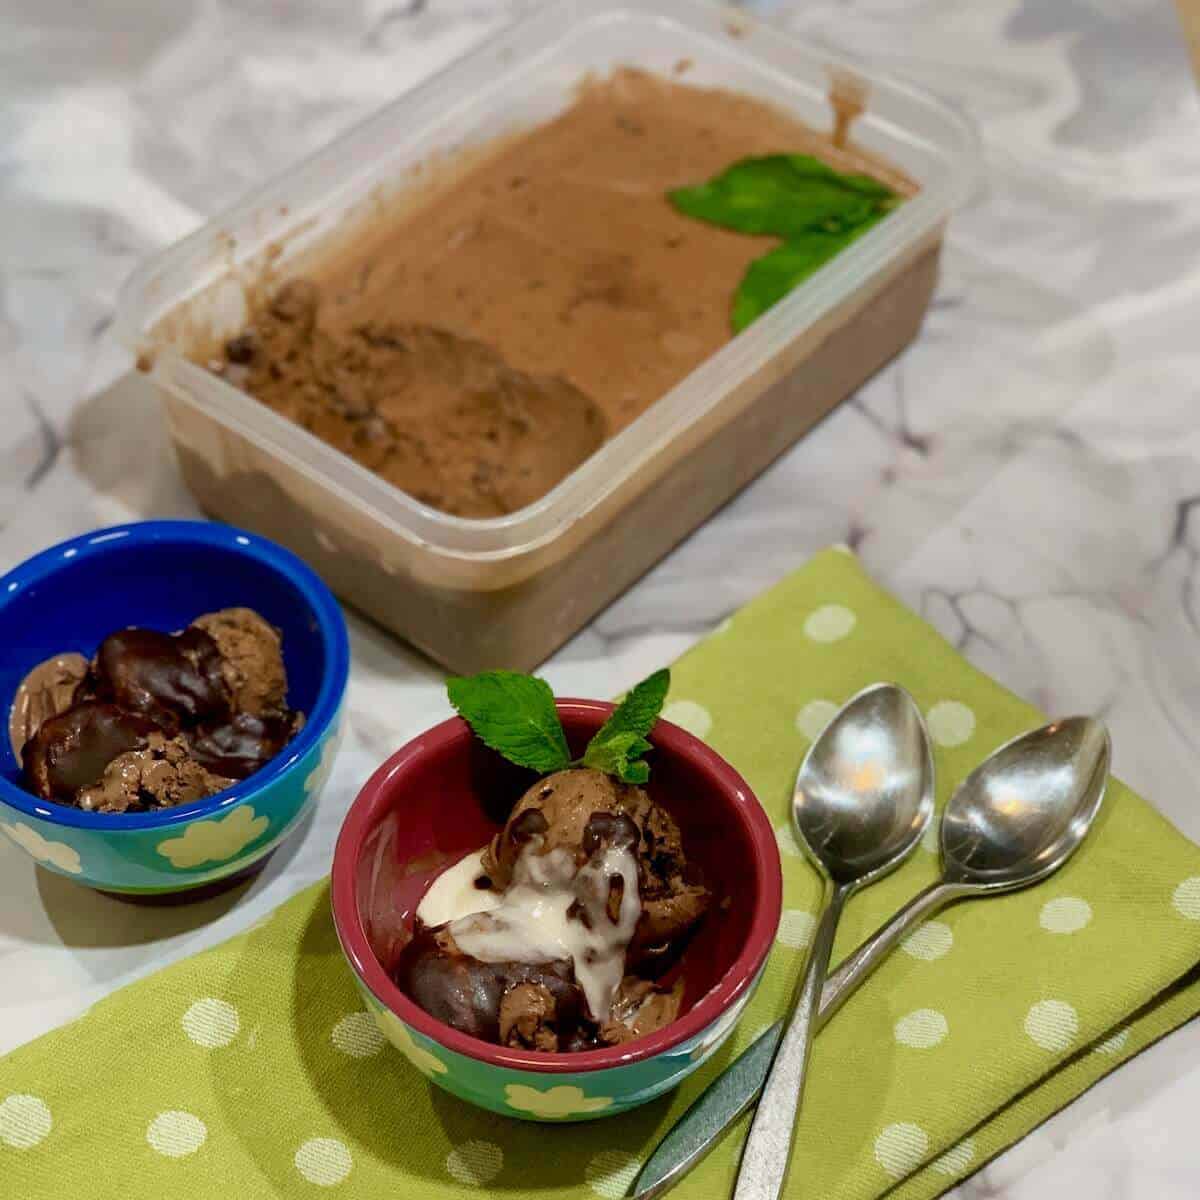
[[508, 591]]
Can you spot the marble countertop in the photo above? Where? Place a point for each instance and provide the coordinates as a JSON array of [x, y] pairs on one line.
[[1027, 475]]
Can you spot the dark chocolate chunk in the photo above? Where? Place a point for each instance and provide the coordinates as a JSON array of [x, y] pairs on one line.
[[608, 829], [242, 745], [174, 679], [530, 824], [616, 893], [71, 750], [465, 993], [242, 349]]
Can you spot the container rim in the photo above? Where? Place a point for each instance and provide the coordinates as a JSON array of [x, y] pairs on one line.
[[496, 539]]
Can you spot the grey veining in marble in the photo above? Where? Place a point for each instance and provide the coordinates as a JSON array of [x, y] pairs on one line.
[[1027, 475]]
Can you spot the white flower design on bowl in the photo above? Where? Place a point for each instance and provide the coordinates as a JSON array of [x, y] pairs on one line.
[[57, 854], [315, 780], [214, 841], [562, 1101], [397, 1033]]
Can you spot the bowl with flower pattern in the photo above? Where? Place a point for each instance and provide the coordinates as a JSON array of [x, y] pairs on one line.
[[161, 575], [445, 794]]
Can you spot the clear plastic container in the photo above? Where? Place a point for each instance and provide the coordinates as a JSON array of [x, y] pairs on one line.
[[508, 591]]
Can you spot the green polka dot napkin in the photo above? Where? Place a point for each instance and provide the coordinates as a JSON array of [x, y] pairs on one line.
[[251, 1071]]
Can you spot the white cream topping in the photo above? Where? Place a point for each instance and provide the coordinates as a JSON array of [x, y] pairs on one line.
[[453, 893], [530, 924]]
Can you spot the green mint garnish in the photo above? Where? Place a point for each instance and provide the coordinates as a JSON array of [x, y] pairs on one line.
[[515, 715], [816, 210], [618, 747]]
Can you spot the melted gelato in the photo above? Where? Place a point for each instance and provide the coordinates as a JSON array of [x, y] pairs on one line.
[[155, 719], [552, 936]]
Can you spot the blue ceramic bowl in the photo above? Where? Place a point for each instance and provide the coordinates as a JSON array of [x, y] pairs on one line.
[[162, 574]]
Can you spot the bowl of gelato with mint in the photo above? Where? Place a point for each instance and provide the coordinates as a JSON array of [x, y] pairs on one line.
[[556, 909]]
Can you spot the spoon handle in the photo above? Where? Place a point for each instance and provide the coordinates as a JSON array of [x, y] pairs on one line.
[[853, 969], [769, 1144]]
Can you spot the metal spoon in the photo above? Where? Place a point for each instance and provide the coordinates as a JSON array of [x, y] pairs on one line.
[[1010, 824], [1014, 820], [862, 800]]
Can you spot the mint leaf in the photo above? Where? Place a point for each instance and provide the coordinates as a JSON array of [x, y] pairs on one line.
[[816, 210], [514, 715], [782, 194], [770, 278], [619, 755], [618, 746]]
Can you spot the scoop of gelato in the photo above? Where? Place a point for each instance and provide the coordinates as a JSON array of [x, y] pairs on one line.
[[251, 653], [160, 775], [46, 691], [591, 898], [156, 719]]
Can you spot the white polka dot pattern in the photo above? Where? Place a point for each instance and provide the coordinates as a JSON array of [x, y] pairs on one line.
[[950, 723], [610, 1173], [931, 839], [475, 1162], [1186, 898], [957, 1159], [324, 1161], [1052, 1024], [211, 1023], [689, 715], [1065, 914], [176, 1134], [357, 1035], [796, 928], [901, 1148], [24, 1121], [929, 941], [829, 623], [922, 1029], [1115, 1044], [785, 839], [813, 717]]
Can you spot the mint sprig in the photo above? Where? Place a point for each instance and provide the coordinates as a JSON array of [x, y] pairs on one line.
[[816, 210], [515, 715], [618, 747]]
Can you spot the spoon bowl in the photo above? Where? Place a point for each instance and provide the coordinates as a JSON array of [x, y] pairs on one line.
[[1020, 814], [864, 793]]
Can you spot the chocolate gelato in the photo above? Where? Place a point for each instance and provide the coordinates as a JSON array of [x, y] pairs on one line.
[[555, 935], [155, 719], [474, 344]]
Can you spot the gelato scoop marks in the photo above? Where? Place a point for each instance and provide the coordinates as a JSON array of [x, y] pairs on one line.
[[155, 719], [562, 934]]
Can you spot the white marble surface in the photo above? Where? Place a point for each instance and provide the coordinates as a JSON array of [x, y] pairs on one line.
[[1027, 475]]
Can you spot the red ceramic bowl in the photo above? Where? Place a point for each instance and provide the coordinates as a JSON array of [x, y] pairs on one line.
[[445, 794]]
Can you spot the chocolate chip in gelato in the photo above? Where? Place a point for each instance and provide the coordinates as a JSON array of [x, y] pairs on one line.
[[590, 899], [155, 719]]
